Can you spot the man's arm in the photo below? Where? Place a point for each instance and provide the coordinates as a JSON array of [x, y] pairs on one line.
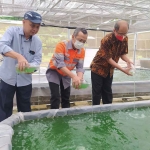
[[59, 59], [60, 64], [127, 60], [79, 66], [115, 65], [106, 45], [22, 62], [76, 80], [80, 75], [7, 51], [5, 42], [67, 72]]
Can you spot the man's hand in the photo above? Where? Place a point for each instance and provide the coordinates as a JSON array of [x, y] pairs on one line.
[[129, 64], [80, 75], [22, 63], [127, 71], [76, 81]]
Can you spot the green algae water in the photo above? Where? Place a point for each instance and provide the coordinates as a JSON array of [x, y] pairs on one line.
[[140, 75], [119, 130]]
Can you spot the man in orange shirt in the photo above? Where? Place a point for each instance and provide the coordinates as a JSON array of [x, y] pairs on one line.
[[67, 56], [113, 47]]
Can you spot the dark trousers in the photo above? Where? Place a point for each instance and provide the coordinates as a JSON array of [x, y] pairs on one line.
[[56, 90], [7, 92], [101, 88]]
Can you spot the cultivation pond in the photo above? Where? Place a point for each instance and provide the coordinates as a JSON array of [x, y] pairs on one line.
[[114, 130]]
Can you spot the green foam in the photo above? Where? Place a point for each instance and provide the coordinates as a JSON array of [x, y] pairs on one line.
[[83, 86], [27, 70]]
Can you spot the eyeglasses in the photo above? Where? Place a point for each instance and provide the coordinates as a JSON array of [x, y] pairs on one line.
[[80, 40], [122, 34]]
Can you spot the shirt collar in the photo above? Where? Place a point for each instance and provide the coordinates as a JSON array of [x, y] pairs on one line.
[[21, 31], [69, 45], [113, 35]]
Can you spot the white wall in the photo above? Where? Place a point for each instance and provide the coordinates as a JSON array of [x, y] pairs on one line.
[[89, 55]]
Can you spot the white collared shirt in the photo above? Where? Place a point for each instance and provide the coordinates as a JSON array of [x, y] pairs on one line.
[[14, 39]]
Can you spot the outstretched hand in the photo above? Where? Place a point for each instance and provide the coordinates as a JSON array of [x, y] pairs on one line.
[[22, 63]]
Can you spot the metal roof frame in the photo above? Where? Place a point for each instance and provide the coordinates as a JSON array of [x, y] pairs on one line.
[[91, 14]]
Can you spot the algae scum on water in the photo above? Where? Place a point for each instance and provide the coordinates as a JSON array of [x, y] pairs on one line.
[[119, 130]]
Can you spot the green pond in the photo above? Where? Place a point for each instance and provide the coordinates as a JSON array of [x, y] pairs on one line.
[[118, 130], [140, 75]]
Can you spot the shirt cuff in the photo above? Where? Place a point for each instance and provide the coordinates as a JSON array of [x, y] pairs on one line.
[[80, 70], [5, 49], [60, 65]]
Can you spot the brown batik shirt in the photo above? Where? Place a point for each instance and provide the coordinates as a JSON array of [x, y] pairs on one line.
[[110, 47]]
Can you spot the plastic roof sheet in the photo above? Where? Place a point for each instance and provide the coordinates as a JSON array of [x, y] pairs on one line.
[[94, 14]]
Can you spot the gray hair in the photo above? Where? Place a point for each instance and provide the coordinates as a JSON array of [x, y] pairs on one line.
[[77, 30], [117, 25]]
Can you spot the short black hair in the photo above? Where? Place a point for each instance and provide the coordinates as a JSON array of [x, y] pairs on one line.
[[117, 25], [77, 30]]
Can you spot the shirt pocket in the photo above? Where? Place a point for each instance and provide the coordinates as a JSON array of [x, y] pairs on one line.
[[29, 56], [67, 59], [76, 58]]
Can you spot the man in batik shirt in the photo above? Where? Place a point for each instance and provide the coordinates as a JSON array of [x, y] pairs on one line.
[[113, 46]]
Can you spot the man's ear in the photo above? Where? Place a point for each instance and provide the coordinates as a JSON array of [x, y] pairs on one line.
[[73, 37], [23, 21]]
